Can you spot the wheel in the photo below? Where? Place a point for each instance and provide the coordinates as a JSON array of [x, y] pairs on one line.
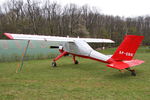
[[133, 73], [76, 62], [54, 64]]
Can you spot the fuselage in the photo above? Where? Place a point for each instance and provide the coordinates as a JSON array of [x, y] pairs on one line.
[[82, 49]]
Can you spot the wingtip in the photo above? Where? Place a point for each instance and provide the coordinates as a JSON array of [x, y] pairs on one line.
[[8, 35], [113, 41]]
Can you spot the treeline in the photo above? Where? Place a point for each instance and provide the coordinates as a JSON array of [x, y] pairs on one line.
[[50, 18]]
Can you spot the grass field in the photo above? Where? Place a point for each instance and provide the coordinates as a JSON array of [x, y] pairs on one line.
[[90, 80]]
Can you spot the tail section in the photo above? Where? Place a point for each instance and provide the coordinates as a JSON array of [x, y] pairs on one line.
[[122, 58], [127, 48]]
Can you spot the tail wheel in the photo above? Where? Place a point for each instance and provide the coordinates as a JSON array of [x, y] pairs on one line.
[[76, 62], [133, 72], [54, 64]]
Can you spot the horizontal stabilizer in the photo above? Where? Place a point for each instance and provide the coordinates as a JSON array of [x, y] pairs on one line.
[[125, 64]]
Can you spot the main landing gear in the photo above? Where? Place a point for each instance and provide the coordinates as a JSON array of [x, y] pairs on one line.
[[132, 71], [74, 60], [53, 64]]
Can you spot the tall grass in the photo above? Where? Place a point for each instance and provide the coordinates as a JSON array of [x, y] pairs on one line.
[[89, 80]]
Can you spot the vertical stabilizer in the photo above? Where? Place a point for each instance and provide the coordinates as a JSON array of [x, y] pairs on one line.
[[128, 47]]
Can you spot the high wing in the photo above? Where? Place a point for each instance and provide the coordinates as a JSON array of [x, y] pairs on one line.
[[55, 38]]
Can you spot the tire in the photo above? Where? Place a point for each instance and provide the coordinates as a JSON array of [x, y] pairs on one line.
[[133, 73], [54, 64], [76, 62]]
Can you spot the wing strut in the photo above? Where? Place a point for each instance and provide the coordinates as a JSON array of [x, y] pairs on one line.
[[19, 68]]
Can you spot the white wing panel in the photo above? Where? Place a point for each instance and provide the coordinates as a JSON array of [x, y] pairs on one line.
[[55, 38]]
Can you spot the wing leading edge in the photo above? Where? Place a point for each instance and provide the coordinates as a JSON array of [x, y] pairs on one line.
[[54, 38]]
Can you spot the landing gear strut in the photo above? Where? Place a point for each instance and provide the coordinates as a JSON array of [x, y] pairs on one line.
[[74, 60], [132, 71], [58, 57]]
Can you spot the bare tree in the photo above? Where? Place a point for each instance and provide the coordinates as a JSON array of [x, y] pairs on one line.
[[50, 18]]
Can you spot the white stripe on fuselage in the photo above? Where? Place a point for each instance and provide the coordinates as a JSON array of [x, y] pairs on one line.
[[99, 56]]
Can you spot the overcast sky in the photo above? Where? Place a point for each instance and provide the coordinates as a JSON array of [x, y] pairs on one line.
[[127, 8]]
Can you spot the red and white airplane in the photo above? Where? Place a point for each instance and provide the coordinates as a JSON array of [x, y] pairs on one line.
[[121, 59]]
